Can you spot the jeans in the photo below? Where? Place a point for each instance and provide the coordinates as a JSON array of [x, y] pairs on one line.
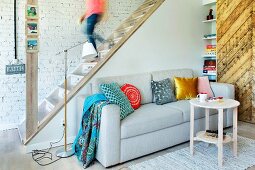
[[89, 30]]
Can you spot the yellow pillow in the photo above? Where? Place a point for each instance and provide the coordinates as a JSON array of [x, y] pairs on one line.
[[185, 88]]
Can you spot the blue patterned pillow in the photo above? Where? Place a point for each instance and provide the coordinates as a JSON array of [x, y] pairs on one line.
[[163, 91], [114, 94]]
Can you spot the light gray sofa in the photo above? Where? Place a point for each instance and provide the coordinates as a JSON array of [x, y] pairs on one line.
[[152, 127]]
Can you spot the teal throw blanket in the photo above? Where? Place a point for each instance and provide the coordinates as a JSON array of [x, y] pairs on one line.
[[85, 143]]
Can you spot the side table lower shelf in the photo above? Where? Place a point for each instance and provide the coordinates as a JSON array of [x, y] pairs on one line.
[[201, 136]]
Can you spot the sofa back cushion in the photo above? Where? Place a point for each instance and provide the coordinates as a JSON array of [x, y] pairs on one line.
[[141, 81], [160, 75]]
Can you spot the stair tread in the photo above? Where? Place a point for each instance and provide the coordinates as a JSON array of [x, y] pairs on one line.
[[126, 29], [22, 131], [143, 9], [76, 75], [54, 100], [69, 86], [104, 51], [81, 69]]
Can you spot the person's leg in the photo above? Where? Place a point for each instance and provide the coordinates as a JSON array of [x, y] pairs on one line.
[[91, 22], [99, 38], [84, 27]]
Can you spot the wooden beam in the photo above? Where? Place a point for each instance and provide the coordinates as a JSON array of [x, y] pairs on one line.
[[31, 88], [31, 94]]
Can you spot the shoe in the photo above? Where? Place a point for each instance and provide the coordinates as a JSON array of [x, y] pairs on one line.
[[91, 60], [108, 44]]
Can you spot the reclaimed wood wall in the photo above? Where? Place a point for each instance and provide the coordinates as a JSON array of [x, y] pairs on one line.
[[236, 51]]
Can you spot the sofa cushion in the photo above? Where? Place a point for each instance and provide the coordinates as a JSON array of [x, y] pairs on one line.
[[149, 118], [133, 95], [141, 81], [184, 107], [162, 91], [185, 88], [114, 94], [160, 75]]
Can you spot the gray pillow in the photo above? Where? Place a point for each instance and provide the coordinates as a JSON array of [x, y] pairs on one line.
[[163, 91]]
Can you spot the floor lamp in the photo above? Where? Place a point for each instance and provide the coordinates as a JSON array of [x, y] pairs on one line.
[[88, 52], [65, 152]]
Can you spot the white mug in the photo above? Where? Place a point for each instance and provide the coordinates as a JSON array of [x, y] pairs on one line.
[[202, 97]]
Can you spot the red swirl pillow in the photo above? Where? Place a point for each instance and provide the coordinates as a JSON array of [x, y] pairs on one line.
[[133, 95]]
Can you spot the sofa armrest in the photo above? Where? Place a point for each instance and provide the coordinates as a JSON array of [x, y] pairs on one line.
[[108, 152], [226, 91], [223, 89]]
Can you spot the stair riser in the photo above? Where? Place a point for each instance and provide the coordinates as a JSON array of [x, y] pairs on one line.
[[146, 4], [83, 69], [124, 29]]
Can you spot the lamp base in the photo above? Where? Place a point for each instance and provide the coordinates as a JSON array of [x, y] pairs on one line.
[[64, 154]]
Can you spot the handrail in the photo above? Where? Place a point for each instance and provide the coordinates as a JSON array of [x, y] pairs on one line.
[[65, 50], [94, 70]]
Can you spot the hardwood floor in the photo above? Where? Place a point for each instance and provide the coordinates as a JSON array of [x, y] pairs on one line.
[[13, 157]]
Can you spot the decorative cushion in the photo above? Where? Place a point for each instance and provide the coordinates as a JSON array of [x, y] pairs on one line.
[[116, 96], [133, 95], [185, 88], [204, 86], [162, 91]]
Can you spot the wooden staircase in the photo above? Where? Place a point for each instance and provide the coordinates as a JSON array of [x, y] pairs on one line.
[[53, 103]]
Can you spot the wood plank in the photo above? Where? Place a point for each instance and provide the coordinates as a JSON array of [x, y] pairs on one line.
[[31, 93], [235, 39], [245, 67], [219, 4], [235, 63], [228, 53], [245, 116], [234, 28], [253, 68], [225, 11], [246, 93], [246, 106], [245, 79], [31, 89], [238, 64], [230, 16]]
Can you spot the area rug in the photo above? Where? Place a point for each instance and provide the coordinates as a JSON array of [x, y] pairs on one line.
[[205, 158]]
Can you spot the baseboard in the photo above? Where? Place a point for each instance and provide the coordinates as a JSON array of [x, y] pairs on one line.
[[46, 145], [9, 126]]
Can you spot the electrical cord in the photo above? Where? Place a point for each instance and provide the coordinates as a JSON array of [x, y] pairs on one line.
[[39, 155]]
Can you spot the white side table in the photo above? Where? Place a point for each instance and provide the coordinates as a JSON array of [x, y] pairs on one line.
[[200, 136]]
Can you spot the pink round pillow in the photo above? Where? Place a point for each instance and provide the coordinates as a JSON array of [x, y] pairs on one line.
[[133, 95]]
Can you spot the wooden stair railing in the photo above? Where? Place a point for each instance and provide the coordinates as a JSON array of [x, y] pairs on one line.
[[120, 36]]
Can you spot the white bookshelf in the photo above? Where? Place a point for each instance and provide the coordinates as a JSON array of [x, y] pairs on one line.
[[209, 56], [210, 38], [208, 21], [209, 2], [211, 25]]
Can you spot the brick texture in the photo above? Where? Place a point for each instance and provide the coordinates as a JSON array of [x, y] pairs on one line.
[[58, 30]]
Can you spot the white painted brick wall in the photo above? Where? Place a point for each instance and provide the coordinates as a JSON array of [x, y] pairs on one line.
[[58, 30]]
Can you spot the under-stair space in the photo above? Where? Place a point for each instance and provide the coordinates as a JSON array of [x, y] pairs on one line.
[[80, 76]]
